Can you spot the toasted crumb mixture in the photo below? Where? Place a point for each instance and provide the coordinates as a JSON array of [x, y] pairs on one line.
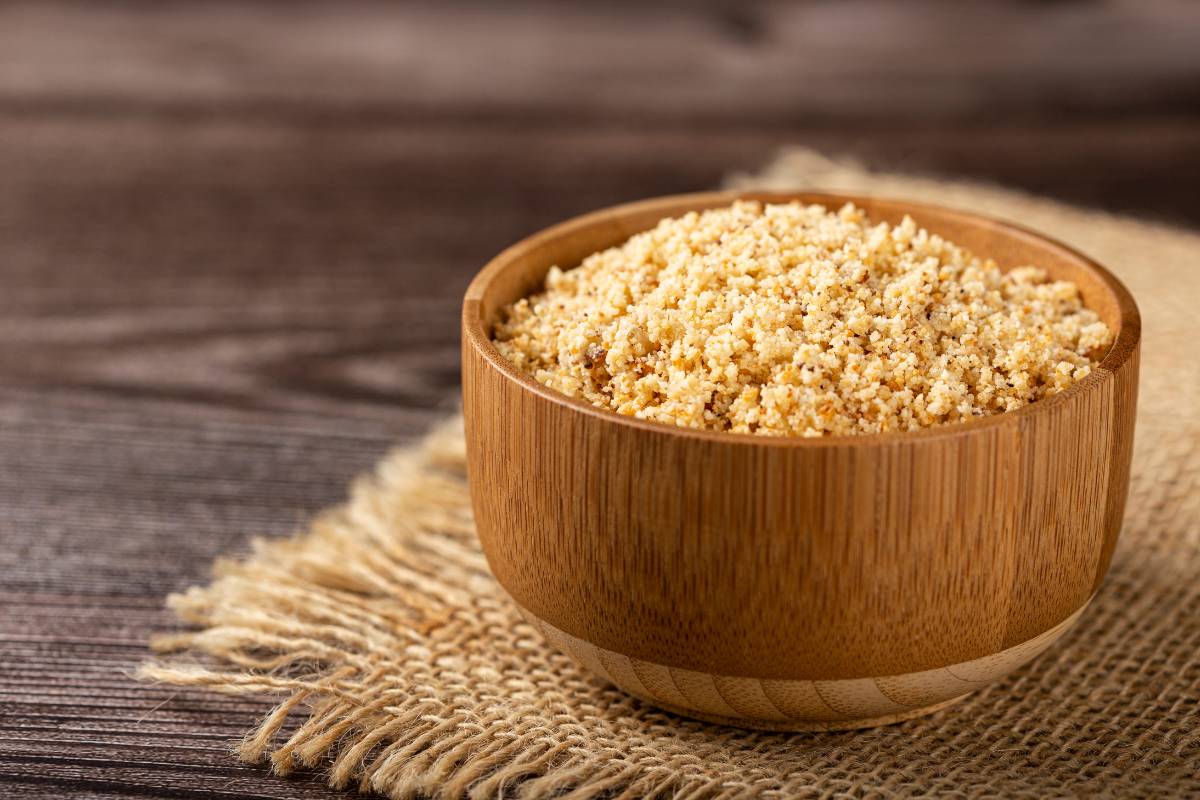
[[792, 320]]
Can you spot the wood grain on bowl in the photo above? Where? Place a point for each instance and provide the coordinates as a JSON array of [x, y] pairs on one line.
[[793, 559]]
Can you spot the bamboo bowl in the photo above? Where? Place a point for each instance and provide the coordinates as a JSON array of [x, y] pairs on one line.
[[796, 583]]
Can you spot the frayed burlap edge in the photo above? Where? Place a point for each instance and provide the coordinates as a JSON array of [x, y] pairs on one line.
[[403, 669], [379, 624]]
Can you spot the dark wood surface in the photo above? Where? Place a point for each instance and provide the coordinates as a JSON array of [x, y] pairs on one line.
[[233, 239]]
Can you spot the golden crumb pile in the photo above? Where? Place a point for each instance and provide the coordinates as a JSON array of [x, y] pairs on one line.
[[789, 319]]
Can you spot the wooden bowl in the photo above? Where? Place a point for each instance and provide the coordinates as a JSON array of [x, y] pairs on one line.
[[785, 582]]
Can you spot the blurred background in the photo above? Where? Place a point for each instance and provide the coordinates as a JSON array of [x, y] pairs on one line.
[[236, 202], [234, 237]]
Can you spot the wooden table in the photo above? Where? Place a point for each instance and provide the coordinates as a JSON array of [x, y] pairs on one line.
[[233, 240]]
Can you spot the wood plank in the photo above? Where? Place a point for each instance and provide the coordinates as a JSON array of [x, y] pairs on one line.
[[640, 61]]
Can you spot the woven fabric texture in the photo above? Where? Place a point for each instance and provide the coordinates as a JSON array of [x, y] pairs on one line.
[[402, 669]]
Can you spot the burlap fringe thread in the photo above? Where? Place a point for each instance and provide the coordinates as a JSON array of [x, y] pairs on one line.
[[383, 631]]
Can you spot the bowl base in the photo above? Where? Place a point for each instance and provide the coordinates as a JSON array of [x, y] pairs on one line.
[[798, 705]]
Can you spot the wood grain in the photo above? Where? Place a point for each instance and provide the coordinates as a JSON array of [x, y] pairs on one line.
[[822, 559], [212, 215]]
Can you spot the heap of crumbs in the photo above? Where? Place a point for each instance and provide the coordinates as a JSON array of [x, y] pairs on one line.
[[790, 319]]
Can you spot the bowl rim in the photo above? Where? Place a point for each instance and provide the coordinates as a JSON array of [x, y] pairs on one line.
[[1119, 353]]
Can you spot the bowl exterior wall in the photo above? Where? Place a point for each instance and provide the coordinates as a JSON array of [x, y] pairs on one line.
[[787, 559]]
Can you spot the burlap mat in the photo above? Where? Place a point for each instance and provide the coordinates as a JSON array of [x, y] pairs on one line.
[[381, 629]]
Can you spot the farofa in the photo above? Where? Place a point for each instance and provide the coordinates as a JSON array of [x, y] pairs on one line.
[[789, 319]]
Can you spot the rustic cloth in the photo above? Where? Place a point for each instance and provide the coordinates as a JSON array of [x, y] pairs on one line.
[[405, 671]]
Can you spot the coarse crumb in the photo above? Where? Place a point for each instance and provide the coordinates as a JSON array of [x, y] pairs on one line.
[[791, 320]]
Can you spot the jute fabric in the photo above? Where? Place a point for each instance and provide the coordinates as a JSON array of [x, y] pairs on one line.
[[401, 668]]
